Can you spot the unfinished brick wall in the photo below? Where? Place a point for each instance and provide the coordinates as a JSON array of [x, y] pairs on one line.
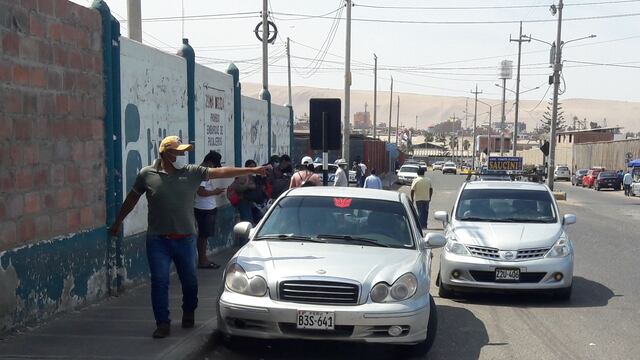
[[52, 178]]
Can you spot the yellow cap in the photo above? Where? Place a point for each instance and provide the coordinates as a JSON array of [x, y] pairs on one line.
[[174, 142]]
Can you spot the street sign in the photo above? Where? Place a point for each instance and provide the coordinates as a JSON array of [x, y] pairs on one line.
[[509, 163]]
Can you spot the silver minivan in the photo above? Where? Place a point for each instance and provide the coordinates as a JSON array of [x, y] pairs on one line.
[[506, 236]]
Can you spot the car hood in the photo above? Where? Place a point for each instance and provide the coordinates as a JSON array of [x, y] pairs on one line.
[[508, 236], [287, 259]]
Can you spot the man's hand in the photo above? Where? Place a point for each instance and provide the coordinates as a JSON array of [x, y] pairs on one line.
[[219, 191], [262, 170]]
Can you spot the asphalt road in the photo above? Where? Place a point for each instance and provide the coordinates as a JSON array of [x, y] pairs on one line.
[[601, 321]]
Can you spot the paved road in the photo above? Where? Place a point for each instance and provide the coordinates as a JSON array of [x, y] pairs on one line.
[[601, 321]]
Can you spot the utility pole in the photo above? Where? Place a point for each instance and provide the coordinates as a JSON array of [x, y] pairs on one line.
[[502, 118], [134, 20], [398, 121], [346, 126], [375, 94], [475, 118], [390, 110], [416, 128], [289, 69], [489, 137], [265, 44], [520, 40], [557, 67]]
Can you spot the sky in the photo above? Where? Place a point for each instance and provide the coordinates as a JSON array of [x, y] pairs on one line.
[[443, 54]]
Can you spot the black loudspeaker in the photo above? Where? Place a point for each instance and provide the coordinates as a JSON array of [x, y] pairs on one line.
[[545, 148], [331, 109]]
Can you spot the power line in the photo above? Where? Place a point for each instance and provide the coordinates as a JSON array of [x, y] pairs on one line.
[[487, 7], [433, 22], [606, 64]]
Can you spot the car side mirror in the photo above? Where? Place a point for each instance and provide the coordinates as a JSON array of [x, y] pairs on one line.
[[434, 240], [242, 229], [568, 219], [443, 216]]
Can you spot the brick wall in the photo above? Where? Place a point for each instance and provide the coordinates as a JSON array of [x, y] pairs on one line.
[[51, 121]]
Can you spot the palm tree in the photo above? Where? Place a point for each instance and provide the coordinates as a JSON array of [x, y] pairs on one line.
[[466, 145]]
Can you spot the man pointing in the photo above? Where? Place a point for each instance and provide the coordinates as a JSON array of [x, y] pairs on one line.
[[170, 185]]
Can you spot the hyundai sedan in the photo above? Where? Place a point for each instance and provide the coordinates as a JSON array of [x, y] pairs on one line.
[[506, 236], [348, 264]]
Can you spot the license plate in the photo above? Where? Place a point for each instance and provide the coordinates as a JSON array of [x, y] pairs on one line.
[[315, 320], [507, 274]]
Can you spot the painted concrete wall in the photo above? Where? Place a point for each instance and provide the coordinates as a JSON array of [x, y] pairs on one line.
[[280, 130], [52, 173], [154, 105], [254, 130]]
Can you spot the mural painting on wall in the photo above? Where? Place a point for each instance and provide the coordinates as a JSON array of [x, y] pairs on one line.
[[214, 121], [252, 140], [280, 130]]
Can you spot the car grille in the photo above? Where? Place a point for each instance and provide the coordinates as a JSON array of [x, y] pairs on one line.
[[339, 331], [487, 253], [489, 276], [319, 292], [528, 254]]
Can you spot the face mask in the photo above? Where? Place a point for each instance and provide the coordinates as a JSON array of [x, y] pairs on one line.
[[181, 161]]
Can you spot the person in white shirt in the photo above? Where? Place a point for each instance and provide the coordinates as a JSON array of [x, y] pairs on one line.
[[204, 209], [373, 181], [363, 169], [341, 175], [627, 180]]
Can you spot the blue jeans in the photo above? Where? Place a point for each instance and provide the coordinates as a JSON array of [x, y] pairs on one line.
[[160, 252], [423, 212], [248, 212]]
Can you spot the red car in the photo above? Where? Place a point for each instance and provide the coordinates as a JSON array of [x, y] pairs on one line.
[[590, 179]]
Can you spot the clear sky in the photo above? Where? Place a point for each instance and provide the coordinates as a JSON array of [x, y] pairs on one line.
[[436, 59]]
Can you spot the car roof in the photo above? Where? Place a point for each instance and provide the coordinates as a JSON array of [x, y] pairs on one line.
[[345, 192], [516, 185]]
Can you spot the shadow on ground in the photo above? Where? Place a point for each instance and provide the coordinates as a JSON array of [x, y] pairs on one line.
[[586, 293], [461, 335]]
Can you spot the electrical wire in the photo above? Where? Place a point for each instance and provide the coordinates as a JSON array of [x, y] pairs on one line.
[[622, 65], [488, 7], [541, 100]]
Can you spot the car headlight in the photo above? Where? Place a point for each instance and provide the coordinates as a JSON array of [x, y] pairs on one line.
[[455, 247], [561, 248], [402, 289], [236, 280]]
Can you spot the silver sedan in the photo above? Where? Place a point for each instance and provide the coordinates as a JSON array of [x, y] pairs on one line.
[[506, 236], [343, 264]]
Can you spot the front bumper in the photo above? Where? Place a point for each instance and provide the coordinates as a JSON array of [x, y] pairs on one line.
[[263, 317], [477, 273]]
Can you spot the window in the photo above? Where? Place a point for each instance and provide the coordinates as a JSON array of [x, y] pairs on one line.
[[409, 169], [386, 222], [506, 205]]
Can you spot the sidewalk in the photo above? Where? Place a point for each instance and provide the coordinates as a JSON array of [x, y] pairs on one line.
[[121, 327]]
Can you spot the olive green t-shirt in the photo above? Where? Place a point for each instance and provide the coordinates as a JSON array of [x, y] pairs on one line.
[[170, 197]]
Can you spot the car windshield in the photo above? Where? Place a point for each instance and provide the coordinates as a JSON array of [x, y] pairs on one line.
[[368, 222], [449, 164], [563, 168], [506, 205], [583, 172], [409, 169], [608, 174]]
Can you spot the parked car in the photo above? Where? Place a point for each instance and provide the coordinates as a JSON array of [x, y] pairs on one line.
[[562, 172], [332, 173], [296, 278], [438, 165], [576, 178], [607, 179], [407, 174], [449, 168], [590, 179], [423, 164], [506, 236]]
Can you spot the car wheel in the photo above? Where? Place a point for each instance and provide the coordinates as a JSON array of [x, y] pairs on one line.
[[563, 294], [421, 349]]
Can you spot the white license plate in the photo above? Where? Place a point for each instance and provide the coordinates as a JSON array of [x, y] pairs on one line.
[[316, 320], [507, 274]]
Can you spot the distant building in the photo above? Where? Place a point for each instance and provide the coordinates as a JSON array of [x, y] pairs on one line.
[[587, 135], [362, 120]]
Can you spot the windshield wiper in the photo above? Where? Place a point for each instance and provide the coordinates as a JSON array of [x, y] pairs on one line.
[[473, 218], [352, 239], [286, 237]]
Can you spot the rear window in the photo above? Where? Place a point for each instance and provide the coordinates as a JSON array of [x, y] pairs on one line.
[[409, 169], [583, 172], [608, 174], [563, 168], [384, 222], [449, 164]]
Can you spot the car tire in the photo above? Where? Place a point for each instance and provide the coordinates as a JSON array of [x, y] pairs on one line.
[[421, 349], [563, 294]]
